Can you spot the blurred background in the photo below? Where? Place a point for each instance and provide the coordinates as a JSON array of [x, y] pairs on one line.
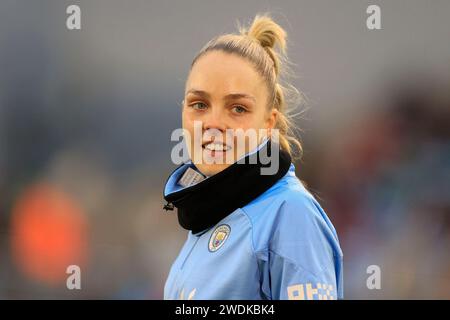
[[86, 117]]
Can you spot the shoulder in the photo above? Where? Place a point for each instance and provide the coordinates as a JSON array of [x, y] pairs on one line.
[[287, 200], [288, 215]]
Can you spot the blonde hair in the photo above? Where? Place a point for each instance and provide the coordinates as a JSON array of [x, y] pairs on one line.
[[257, 45]]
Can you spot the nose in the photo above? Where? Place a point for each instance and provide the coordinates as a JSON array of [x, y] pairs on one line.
[[214, 120]]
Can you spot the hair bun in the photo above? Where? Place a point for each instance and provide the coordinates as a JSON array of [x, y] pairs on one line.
[[267, 32]]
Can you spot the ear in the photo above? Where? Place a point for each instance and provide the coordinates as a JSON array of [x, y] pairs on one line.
[[272, 119]]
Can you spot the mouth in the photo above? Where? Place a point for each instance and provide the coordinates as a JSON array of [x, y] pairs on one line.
[[214, 149]]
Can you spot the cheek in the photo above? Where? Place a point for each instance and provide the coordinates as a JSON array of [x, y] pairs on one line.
[[187, 121], [194, 133], [188, 126], [253, 121], [189, 118], [256, 123]]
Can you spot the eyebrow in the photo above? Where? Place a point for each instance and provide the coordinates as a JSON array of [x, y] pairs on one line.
[[237, 95]]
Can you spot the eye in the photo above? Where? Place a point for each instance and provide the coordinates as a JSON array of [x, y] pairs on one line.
[[239, 109], [198, 106]]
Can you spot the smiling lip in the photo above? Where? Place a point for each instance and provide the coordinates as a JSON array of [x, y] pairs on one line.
[[216, 146], [215, 149]]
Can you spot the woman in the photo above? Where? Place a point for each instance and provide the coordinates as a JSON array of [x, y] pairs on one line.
[[252, 235]]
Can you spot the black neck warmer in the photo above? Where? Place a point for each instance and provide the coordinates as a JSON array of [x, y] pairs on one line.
[[204, 204]]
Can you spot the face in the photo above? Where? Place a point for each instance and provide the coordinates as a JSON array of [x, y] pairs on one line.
[[226, 103]]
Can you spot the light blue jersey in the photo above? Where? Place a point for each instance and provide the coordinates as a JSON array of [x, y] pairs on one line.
[[281, 245]]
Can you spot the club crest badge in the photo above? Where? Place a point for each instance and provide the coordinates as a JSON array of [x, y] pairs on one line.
[[218, 237]]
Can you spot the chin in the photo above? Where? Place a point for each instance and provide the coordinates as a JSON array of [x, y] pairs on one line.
[[211, 169]]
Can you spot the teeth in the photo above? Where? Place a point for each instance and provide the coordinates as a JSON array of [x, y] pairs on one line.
[[217, 147]]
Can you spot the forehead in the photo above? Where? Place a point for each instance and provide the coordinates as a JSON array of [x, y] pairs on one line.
[[220, 73]]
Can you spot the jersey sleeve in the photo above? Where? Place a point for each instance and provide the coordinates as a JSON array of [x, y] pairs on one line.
[[303, 258]]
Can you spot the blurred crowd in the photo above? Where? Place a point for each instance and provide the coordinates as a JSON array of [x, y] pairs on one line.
[[385, 180]]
